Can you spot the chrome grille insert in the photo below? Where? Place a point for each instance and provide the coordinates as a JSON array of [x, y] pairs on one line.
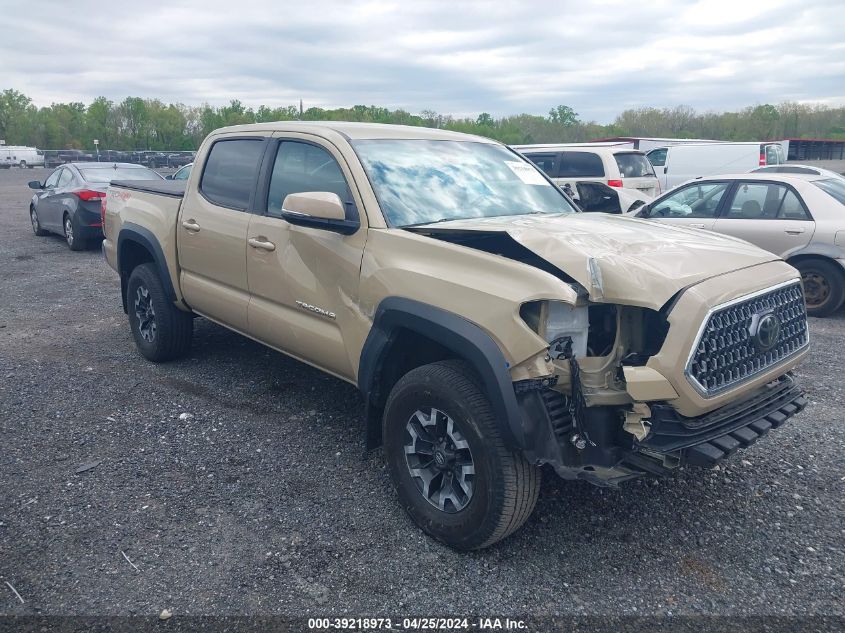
[[735, 343]]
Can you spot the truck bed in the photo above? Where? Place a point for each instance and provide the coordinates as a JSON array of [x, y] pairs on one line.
[[172, 188]]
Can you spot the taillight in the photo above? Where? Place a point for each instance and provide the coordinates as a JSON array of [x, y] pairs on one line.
[[762, 157], [87, 194], [614, 183]]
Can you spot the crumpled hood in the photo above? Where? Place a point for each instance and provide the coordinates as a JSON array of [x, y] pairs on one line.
[[639, 262]]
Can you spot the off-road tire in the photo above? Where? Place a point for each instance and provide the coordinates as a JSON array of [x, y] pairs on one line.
[[174, 328], [833, 276], [71, 232], [36, 224], [506, 484]]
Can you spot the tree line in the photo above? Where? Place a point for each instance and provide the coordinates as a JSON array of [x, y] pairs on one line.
[[136, 123]]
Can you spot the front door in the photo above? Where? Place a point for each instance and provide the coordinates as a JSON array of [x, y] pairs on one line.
[[47, 207], [304, 281], [769, 215], [212, 230]]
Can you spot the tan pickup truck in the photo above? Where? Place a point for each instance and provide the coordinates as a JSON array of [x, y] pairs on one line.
[[490, 327]]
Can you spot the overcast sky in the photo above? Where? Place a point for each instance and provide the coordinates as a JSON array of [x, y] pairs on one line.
[[600, 56]]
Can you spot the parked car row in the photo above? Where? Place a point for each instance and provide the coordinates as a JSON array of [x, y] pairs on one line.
[[54, 158]]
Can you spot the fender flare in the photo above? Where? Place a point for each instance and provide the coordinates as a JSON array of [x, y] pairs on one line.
[[466, 339], [144, 237]]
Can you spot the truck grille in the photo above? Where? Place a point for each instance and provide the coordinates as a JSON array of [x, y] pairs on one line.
[[733, 346]]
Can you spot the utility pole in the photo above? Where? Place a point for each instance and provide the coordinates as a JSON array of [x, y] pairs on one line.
[[300, 109], [97, 147]]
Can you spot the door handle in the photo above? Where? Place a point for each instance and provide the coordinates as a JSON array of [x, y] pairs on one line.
[[696, 225], [263, 243], [191, 225], [794, 231]]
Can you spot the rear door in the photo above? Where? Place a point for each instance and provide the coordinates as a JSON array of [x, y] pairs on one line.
[[304, 281], [212, 230], [770, 215], [694, 206]]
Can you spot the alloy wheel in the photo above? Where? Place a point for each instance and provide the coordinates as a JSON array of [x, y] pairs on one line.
[[69, 230], [439, 460], [33, 216], [145, 314]]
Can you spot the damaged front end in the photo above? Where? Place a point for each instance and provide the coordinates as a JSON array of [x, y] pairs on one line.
[[602, 415], [651, 365]]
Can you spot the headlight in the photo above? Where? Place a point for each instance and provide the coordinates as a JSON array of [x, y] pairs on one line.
[[557, 321]]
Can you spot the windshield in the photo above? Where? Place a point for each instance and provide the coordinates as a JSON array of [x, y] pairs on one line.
[[107, 174], [422, 181], [835, 187], [633, 165]]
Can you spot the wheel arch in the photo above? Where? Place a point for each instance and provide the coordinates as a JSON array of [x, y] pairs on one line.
[[432, 334], [137, 245]]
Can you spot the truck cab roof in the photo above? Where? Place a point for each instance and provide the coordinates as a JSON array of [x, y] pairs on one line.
[[356, 130]]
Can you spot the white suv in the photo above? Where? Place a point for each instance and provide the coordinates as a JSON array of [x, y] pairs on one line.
[[609, 163]]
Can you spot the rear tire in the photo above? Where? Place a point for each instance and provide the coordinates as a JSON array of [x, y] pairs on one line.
[[477, 491], [824, 286], [71, 231], [22, 164], [36, 225], [161, 331]]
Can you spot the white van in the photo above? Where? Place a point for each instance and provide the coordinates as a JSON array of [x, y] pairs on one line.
[[613, 164], [678, 163], [20, 156]]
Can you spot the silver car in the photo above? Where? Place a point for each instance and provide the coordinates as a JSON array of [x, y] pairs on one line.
[[800, 217]]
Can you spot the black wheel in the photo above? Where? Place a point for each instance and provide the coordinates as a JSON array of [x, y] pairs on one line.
[[36, 225], [448, 460], [74, 242], [161, 330], [824, 286]]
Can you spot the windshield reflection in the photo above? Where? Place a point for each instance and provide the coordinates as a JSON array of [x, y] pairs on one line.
[[423, 181]]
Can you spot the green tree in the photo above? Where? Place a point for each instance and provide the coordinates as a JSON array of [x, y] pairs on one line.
[[564, 115]]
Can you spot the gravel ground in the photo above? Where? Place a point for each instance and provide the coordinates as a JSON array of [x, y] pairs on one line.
[[233, 481]]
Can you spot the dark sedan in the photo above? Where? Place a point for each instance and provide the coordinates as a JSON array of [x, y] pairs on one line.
[[68, 203]]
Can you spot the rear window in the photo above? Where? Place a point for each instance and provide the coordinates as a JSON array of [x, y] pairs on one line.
[[230, 171], [107, 174], [580, 165], [633, 165], [835, 187]]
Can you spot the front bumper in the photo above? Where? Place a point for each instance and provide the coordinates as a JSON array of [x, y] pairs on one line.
[[611, 455], [708, 439]]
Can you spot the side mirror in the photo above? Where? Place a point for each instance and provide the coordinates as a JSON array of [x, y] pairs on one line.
[[319, 210], [169, 177], [644, 211], [35, 184]]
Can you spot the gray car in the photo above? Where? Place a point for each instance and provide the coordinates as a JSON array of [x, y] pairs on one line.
[[800, 217], [68, 202]]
